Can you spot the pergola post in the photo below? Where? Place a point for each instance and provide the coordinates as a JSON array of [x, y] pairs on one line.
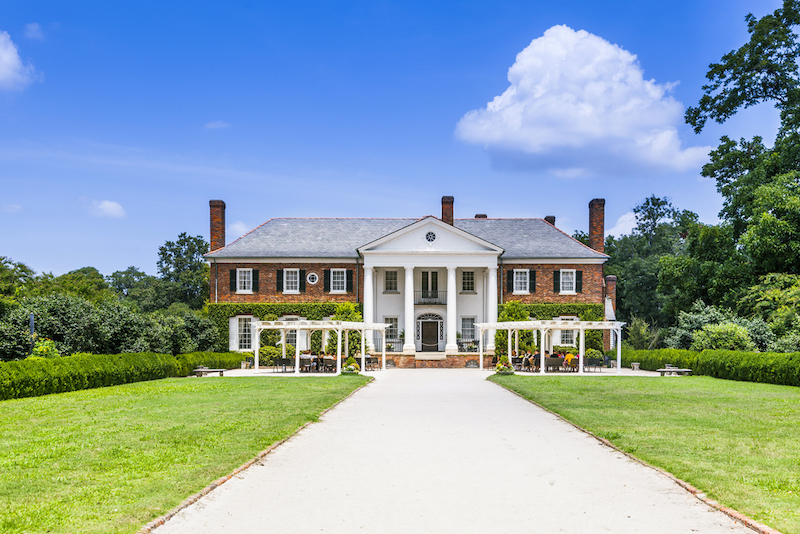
[[363, 349], [619, 350], [383, 354], [256, 346], [297, 355], [338, 351], [480, 349], [510, 333], [582, 349], [283, 343], [516, 342], [543, 335]]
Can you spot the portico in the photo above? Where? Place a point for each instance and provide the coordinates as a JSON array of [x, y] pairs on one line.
[[431, 272]]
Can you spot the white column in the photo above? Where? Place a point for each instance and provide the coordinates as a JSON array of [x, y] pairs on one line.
[[408, 293], [256, 346], [480, 349], [383, 355], [339, 351], [452, 343], [363, 349], [492, 305], [283, 343], [619, 350], [543, 335], [297, 354], [582, 348], [369, 300]]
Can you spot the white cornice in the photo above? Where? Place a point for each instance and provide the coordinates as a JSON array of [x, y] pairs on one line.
[[285, 260]]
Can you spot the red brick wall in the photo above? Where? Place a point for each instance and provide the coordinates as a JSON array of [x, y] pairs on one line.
[[447, 210], [267, 283], [597, 218], [592, 284]]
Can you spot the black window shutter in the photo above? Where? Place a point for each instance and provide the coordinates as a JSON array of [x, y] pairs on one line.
[[233, 280], [255, 280], [510, 281], [556, 281], [349, 279], [302, 281], [579, 281], [326, 276], [279, 281], [532, 281]]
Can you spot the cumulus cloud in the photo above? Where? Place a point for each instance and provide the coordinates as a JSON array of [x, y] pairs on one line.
[[625, 225], [11, 208], [215, 125], [579, 105], [34, 31], [107, 208], [14, 75]]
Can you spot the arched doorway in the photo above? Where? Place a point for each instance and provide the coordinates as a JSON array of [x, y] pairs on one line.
[[430, 332]]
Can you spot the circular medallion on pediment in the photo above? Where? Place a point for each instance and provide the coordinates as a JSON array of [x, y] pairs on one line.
[[430, 237]]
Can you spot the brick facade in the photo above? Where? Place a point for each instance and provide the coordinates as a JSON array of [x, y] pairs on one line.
[[591, 293], [217, 224], [267, 283]]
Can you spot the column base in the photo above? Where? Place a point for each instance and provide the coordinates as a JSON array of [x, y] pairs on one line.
[[451, 348], [409, 349]]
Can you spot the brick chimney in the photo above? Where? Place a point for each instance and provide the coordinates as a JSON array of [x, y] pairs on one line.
[[551, 219], [480, 216], [447, 210], [611, 289], [217, 224], [597, 221]]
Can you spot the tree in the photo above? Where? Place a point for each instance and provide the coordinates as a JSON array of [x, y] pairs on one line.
[[182, 263], [13, 276], [86, 282]]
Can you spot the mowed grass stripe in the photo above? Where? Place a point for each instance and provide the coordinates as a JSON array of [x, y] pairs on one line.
[[739, 442], [111, 459]]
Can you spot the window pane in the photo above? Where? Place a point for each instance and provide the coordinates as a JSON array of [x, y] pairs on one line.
[[391, 331], [245, 336], [468, 328], [567, 281], [291, 279], [390, 283], [521, 280], [567, 337], [468, 281], [337, 280], [245, 279]]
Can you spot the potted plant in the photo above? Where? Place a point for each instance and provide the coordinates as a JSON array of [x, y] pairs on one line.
[[350, 367], [503, 366]]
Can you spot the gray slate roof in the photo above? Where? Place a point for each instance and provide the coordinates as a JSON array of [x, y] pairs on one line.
[[339, 238]]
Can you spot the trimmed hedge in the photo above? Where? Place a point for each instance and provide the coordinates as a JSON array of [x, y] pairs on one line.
[[766, 367], [32, 377]]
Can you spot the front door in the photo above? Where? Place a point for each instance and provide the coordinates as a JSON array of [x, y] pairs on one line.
[[430, 336]]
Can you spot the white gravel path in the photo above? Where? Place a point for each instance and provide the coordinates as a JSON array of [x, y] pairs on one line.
[[444, 450]]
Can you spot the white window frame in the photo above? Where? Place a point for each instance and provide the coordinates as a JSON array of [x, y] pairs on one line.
[[387, 287], [467, 277], [474, 333], [291, 332], [568, 291], [244, 281], [573, 333], [286, 289], [392, 331], [242, 335], [522, 276], [343, 288]]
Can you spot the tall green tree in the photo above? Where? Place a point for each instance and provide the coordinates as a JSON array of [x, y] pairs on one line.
[[181, 263]]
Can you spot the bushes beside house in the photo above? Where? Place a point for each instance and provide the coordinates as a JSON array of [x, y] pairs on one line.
[[765, 367], [36, 376]]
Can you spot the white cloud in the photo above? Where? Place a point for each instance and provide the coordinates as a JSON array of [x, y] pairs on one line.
[[34, 31], [107, 208], [238, 229], [11, 208], [13, 74], [579, 105], [625, 225], [215, 125]]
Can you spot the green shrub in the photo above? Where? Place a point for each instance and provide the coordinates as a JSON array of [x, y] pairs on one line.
[[727, 336], [45, 348], [186, 363]]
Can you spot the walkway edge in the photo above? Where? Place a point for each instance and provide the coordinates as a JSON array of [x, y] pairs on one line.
[[152, 525], [730, 512]]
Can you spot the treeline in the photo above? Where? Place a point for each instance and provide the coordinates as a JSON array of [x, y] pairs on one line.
[[127, 311]]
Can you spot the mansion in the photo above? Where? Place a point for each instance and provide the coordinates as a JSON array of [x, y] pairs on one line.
[[430, 279]]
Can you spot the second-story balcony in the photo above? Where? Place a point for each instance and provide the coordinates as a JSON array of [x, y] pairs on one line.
[[426, 296]]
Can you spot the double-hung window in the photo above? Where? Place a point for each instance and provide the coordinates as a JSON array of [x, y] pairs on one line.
[[390, 282], [291, 280], [468, 282], [568, 281], [244, 280], [567, 337], [521, 281], [245, 333], [391, 330], [468, 328], [338, 281]]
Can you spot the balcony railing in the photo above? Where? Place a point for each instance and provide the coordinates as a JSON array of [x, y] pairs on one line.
[[430, 297], [393, 344]]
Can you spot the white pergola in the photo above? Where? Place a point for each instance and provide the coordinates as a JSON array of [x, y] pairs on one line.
[[337, 326], [545, 328]]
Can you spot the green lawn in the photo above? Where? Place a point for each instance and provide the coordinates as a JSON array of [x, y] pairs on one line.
[[739, 442], [112, 459]]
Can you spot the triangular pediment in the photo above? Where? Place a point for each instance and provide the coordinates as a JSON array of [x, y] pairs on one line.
[[430, 235]]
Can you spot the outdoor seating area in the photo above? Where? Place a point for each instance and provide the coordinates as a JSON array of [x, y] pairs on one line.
[[313, 363], [558, 363]]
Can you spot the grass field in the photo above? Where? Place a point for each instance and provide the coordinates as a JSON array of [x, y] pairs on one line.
[[109, 460], [739, 442]]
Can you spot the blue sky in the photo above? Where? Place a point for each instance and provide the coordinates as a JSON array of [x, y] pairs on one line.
[[120, 121]]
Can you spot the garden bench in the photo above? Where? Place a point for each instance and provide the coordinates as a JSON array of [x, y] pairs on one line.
[[674, 371], [203, 371]]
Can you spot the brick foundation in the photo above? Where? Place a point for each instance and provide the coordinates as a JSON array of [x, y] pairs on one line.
[[451, 361]]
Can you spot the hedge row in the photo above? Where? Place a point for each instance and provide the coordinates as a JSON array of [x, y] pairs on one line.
[[766, 367], [32, 377]]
